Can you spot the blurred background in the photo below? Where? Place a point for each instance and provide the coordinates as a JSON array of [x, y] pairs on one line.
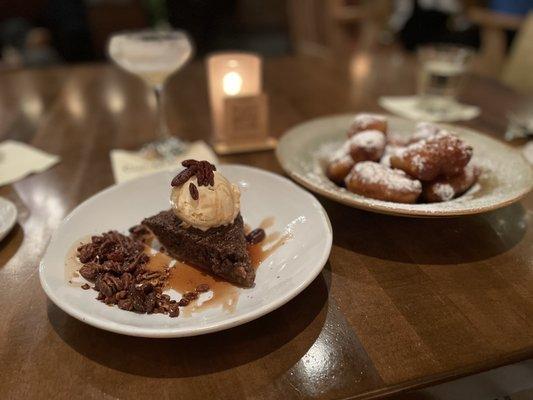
[[45, 32]]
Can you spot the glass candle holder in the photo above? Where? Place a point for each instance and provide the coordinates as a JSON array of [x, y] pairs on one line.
[[238, 104]]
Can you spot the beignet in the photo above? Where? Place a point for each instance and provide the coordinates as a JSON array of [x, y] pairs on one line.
[[366, 121], [441, 154], [377, 181], [339, 165], [367, 146], [445, 189]]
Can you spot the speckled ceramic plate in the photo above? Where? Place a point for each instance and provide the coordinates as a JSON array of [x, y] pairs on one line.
[[303, 152]]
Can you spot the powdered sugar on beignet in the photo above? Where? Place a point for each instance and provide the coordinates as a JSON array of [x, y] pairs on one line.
[[445, 189], [367, 121], [340, 164], [441, 154], [424, 130], [367, 145], [377, 181]]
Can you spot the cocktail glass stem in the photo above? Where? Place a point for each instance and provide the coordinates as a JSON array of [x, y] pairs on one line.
[[166, 145], [162, 127]]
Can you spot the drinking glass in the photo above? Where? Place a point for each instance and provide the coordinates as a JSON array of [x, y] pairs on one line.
[[441, 74], [153, 55]]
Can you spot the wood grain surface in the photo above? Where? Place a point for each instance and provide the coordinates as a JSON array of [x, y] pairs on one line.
[[402, 303]]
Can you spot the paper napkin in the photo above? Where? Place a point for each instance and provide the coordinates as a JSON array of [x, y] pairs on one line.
[[131, 164], [18, 160], [408, 107]]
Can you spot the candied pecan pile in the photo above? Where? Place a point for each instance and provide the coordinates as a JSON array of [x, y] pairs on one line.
[[116, 265], [203, 170]]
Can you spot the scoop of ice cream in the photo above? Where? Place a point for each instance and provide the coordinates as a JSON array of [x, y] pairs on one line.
[[213, 206]]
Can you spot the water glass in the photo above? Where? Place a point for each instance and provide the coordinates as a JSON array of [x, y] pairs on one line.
[[441, 74]]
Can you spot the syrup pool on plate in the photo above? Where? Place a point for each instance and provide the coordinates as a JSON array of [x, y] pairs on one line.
[[272, 241], [186, 278], [72, 264]]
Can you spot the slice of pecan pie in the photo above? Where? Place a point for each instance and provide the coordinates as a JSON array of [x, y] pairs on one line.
[[200, 195], [221, 251]]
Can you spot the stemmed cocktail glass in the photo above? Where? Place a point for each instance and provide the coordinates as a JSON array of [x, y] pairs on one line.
[[153, 55]]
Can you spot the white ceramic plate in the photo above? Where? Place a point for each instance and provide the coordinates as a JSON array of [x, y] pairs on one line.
[[303, 152], [8, 217], [284, 274]]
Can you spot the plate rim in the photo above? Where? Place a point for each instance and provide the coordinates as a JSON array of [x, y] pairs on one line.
[[11, 222], [392, 210], [170, 332]]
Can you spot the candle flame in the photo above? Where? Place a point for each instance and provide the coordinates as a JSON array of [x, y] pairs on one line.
[[232, 83]]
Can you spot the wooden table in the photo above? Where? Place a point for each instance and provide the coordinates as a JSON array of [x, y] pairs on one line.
[[402, 303]]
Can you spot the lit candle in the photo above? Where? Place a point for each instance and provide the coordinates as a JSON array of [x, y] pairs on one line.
[[232, 76]]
